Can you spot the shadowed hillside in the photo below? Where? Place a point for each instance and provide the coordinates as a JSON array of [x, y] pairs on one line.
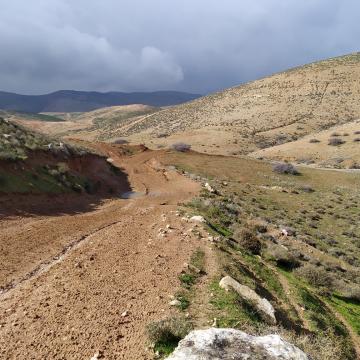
[[31, 163], [78, 101]]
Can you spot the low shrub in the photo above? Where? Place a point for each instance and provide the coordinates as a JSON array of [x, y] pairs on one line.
[[335, 142], [352, 292], [306, 188], [166, 334], [357, 132], [162, 135], [335, 134], [248, 240], [357, 140], [258, 225], [283, 258], [313, 141], [285, 168], [316, 276], [120, 141], [180, 146]]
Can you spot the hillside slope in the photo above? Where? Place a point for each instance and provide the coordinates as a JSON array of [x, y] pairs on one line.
[[100, 124], [79, 101], [31, 163], [336, 147], [263, 113]]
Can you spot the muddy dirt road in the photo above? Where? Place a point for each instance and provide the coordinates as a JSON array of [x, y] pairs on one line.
[[75, 284]]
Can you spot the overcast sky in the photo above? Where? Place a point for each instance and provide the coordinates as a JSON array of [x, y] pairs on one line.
[[191, 45]]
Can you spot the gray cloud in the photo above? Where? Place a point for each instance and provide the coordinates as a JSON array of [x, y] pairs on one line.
[[197, 46]]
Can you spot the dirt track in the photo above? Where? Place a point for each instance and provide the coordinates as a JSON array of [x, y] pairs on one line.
[[68, 279]]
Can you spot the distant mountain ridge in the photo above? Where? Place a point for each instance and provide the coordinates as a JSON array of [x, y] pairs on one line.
[[79, 101]]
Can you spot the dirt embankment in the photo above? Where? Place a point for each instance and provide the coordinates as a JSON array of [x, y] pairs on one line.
[[77, 283]]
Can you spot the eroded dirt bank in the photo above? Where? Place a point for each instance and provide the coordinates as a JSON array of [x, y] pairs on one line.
[[100, 293]]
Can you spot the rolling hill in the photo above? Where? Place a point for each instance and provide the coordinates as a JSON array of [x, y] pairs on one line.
[[100, 124], [79, 101], [336, 147], [278, 109]]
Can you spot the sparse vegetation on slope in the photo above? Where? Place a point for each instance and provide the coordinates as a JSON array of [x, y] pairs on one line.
[[335, 147], [267, 112], [34, 163], [301, 258]]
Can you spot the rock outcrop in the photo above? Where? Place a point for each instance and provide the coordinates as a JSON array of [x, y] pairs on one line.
[[226, 344], [262, 305], [198, 218]]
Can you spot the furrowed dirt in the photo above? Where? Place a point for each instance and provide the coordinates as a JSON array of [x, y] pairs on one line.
[[78, 283]]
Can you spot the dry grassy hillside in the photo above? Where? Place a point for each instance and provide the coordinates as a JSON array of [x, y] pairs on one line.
[[101, 124], [338, 147], [267, 112]]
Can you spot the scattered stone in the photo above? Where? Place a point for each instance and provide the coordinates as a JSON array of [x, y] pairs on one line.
[[125, 313], [217, 344], [194, 269], [287, 231], [175, 302], [208, 187], [96, 356], [261, 304], [198, 218]]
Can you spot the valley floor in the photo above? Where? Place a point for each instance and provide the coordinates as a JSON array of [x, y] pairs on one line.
[[89, 280], [77, 284]]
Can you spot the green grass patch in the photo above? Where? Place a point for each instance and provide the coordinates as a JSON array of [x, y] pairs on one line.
[[166, 334], [266, 274], [229, 310], [198, 259], [184, 300], [187, 280], [195, 270], [349, 309], [165, 348]]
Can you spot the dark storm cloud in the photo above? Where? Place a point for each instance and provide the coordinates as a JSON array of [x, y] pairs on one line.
[[193, 45]]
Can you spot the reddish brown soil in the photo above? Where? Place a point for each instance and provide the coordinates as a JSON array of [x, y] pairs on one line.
[[68, 278]]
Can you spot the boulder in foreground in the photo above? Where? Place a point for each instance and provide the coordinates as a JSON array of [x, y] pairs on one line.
[[226, 344], [262, 305]]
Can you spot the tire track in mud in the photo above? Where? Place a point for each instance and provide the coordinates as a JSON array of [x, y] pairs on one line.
[[48, 264]]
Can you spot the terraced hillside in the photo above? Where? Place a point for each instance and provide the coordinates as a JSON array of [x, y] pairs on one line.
[[274, 110]]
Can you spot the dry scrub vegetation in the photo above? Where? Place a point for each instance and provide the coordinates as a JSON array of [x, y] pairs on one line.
[[278, 109], [292, 239]]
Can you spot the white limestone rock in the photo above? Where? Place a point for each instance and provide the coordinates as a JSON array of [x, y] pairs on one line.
[[231, 344], [198, 218], [261, 304]]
